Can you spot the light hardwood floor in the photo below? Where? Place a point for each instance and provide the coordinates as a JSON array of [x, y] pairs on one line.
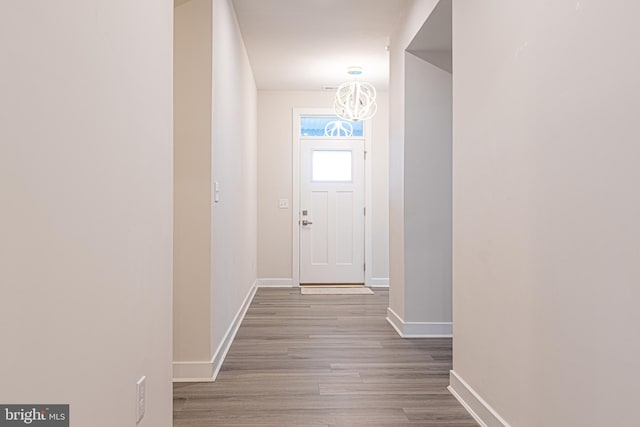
[[324, 360]]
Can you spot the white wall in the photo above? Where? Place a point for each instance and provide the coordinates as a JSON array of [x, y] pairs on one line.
[[275, 164], [380, 191], [192, 183], [546, 208], [86, 218], [234, 165], [216, 245], [413, 209], [427, 197]]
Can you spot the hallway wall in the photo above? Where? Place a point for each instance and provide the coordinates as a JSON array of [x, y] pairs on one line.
[[427, 198], [419, 133], [193, 50], [216, 249], [275, 168], [234, 166], [546, 209], [86, 207]]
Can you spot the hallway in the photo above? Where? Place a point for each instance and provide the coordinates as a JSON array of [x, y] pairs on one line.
[[324, 361]]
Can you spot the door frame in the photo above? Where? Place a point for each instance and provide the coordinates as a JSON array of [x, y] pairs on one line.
[[295, 209]]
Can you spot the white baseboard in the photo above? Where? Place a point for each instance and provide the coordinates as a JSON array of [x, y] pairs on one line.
[[419, 329], [378, 282], [223, 348], [480, 410], [193, 372], [276, 283], [207, 371], [394, 320]]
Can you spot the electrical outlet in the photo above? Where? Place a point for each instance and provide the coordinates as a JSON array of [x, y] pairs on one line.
[[141, 398]]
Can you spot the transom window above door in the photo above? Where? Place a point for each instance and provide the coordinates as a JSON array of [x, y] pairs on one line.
[[329, 127]]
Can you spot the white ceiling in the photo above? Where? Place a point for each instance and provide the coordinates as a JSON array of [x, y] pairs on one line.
[[307, 44]]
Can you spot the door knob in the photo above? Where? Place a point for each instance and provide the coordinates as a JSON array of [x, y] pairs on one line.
[[305, 222]]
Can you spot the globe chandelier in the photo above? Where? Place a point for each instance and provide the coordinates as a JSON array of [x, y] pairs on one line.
[[355, 100]]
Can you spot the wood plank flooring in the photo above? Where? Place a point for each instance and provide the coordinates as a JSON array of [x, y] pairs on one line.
[[324, 360]]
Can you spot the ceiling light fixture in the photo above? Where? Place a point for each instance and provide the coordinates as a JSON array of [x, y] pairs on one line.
[[355, 100]]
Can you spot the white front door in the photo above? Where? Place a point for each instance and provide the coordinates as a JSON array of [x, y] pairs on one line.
[[331, 211]]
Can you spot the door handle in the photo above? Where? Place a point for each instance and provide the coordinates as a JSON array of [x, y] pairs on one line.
[[305, 222]]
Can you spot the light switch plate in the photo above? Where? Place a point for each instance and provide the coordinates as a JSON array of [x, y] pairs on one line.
[[283, 203]]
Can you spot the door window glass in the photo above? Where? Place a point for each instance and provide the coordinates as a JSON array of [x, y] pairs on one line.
[[332, 166]]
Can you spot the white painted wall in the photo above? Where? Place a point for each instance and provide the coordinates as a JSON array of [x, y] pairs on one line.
[[417, 210], [234, 165], [546, 208], [86, 196], [192, 183], [275, 180], [380, 191], [427, 187], [216, 245]]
